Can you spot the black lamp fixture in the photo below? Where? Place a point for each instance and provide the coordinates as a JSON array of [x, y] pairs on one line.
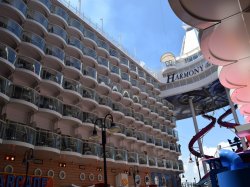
[[133, 171], [113, 129]]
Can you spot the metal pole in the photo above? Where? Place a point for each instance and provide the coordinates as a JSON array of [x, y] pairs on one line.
[[235, 118], [196, 131], [104, 154], [197, 164]]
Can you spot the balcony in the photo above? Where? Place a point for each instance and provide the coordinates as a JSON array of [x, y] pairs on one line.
[[19, 135], [50, 105], [172, 147], [35, 40], [51, 76], [134, 84], [175, 165], [164, 129], [160, 163], [72, 113], [110, 153], [117, 90], [143, 92], [76, 25], [124, 63], [70, 84], [90, 76], [61, 13], [148, 123], [129, 115], [91, 55], [103, 45], [39, 18], [156, 127], [76, 44], [143, 159], [90, 36], [117, 110], [4, 88], [2, 130], [48, 141], [73, 62], [120, 155], [130, 133], [89, 118], [180, 165], [158, 142], [166, 145], [141, 137], [115, 73], [136, 103], [11, 26], [169, 164], [152, 161], [71, 146], [7, 57], [132, 158], [170, 132], [91, 150], [125, 80], [139, 119], [114, 54], [18, 4], [59, 31], [46, 3], [133, 68], [141, 74], [150, 140], [89, 99], [103, 63], [56, 56], [105, 103], [21, 94]]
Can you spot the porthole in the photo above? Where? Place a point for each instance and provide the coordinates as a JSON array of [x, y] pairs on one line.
[[38, 172], [99, 177], [82, 176], [51, 173], [62, 175], [8, 169], [91, 177]]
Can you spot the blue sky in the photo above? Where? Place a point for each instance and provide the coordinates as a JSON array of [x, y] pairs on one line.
[[148, 28]]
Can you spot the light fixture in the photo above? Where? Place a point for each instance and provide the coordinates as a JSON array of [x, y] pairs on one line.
[[99, 169], [190, 160], [63, 165], [10, 158]]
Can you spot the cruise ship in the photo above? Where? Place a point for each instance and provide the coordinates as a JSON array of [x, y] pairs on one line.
[[62, 82]]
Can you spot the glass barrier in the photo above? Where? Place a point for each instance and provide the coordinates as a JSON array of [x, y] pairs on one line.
[[48, 139], [114, 53], [132, 67], [128, 112], [71, 144], [110, 152], [60, 12], [90, 34], [156, 125], [50, 103], [101, 79], [151, 161], [114, 69], [19, 132], [89, 52], [89, 71], [141, 73], [169, 164], [55, 51], [58, 31], [103, 61], [75, 23], [134, 82], [11, 25], [33, 39], [124, 61], [120, 155], [160, 162], [7, 53], [47, 3], [125, 76], [90, 148], [18, 4], [132, 157], [4, 85], [139, 117], [150, 139], [141, 136], [26, 94], [88, 93], [89, 118], [70, 84], [75, 42], [73, 62], [143, 159], [102, 44], [38, 17], [72, 111], [166, 144], [158, 142], [51, 74], [148, 121]]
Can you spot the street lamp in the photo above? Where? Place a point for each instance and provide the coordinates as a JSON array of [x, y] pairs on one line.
[[28, 156], [135, 170], [113, 128]]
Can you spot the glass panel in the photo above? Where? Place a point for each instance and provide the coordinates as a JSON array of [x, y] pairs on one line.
[[19, 4], [90, 148], [72, 111], [58, 31], [75, 23], [138, 117], [103, 44], [2, 127], [141, 73], [73, 62], [23, 93], [11, 25], [114, 69], [60, 12], [130, 133], [55, 51], [71, 85], [134, 82], [89, 118], [152, 161], [132, 67], [132, 157], [125, 76], [103, 80], [165, 144], [51, 74], [50, 103], [88, 93], [47, 3], [71, 144], [4, 85], [39, 17], [160, 163], [156, 125], [114, 53], [169, 164], [48, 139], [120, 154], [150, 139], [143, 159], [110, 151], [89, 71], [158, 142], [75, 42], [124, 61], [148, 121], [103, 61], [90, 52], [128, 112], [7, 53], [102, 100], [141, 136], [18, 132], [90, 34], [34, 39]]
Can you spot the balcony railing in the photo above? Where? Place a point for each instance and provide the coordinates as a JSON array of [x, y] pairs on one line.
[[11, 25], [28, 64], [55, 51], [90, 148], [88, 93], [141, 73], [55, 29], [47, 3], [132, 157], [150, 139], [124, 61], [26, 94], [90, 34], [169, 164], [151, 161], [72, 111], [33, 39], [158, 142], [120, 155], [101, 79], [130, 133], [88, 117], [4, 85], [166, 145], [114, 69], [90, 52], [138, 117], [110, 152], [75, 23], [143, 159], [75, 42], [160, 163], [19, 132], [70, 84], [133, 67], [128, 112], [141, 136], [125, 76], [102, 44], [156, 125], [71, 144], [38, 17], [48, 139], [102, 100], [73, 62], [7, 53], [134, 82], [103, 61], [52, 75], [50, 103], [148, 121], [114, 53], [60, 12], [89, 71], [18, 4]]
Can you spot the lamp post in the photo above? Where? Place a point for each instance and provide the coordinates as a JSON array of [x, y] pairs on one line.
[[28, 156], [135, 170], [95, 136]]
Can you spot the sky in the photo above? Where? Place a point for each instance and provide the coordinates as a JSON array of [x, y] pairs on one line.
[[149, 28]]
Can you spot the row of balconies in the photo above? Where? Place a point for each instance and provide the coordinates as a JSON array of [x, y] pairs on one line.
[[53, 104], [39, 41], [15, 132]]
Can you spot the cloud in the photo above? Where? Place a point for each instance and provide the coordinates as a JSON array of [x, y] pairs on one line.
[[213, 151]]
